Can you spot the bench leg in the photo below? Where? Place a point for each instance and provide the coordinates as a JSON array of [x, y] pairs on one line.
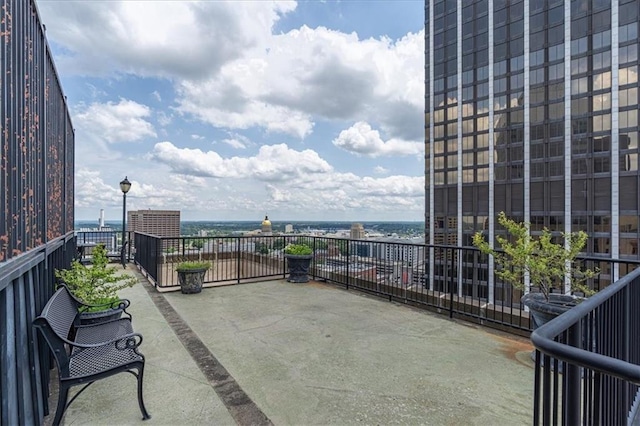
[[63, 393], [145, 414]]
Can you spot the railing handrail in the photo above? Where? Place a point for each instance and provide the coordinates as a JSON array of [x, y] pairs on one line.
[[543, 337]]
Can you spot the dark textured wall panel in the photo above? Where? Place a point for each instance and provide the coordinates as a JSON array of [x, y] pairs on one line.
[[36, 136]]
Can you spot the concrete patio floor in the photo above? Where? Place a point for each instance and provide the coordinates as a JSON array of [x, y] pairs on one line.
[[309, 354]]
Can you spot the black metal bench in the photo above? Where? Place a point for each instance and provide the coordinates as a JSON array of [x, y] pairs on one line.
[[96, 351]]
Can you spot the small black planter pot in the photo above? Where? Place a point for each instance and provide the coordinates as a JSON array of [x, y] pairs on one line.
[[191, 280], [298, 267]]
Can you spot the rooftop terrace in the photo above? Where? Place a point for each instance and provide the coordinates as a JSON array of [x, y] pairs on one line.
[[310, 354]]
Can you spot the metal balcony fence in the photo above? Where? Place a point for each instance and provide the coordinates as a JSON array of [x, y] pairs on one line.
[[450, 280], [26, 284], [588, 360]]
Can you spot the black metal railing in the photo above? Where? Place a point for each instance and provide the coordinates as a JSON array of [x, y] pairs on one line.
[[450, 280], [588, 360], [110, 239], [27, 282]]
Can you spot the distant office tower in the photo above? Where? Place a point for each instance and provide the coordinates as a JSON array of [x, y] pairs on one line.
[[163, 223], [101, 219], [288, 229], [357, 231], [266, 226], [532, 109]]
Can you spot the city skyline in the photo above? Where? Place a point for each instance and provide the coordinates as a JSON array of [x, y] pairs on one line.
[[229, 110]]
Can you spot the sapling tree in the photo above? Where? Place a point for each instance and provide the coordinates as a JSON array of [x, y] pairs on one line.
[[547, 264]]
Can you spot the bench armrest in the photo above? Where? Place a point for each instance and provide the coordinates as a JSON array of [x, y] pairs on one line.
[[126, 341]]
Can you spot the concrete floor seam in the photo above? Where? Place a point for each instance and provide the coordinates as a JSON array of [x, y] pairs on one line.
[[243, 410]]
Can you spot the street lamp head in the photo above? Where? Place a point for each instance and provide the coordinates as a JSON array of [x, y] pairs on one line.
[[125, 185]]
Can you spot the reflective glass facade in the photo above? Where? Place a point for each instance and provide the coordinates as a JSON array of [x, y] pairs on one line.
[[532, 109]]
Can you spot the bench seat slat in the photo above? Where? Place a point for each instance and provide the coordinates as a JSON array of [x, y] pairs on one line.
[[92, 361]]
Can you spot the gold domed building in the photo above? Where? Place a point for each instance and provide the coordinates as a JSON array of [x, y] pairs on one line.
[[266, 226]]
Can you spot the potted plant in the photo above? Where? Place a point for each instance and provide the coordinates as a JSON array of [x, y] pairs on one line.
[[547, 264], [191, 276], [298, 260], [97, 286]]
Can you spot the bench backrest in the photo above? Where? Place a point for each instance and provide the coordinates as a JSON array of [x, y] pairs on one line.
[[55, 323]]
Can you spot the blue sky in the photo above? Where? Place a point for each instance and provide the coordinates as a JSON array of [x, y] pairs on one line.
[[308, 110]]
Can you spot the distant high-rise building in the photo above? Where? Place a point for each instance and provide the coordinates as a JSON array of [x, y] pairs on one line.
[[532, 109], [101, 219], [357, 231], [163, 223], [266, 226], [288, 229]]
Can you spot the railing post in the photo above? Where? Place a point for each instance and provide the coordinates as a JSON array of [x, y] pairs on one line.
[[452, 279], [129, 247], [238, 260], [347, 265], [573, 378], [313, 276]]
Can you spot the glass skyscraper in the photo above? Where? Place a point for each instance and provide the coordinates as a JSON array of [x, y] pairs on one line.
[[532, 109]]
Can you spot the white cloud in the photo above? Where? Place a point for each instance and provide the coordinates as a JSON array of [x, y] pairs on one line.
[[111, 122], [92, 192], [164, 119], [293, 179], [272, 163], [288, 79], [231, 70], [277, 194], [362, 139], [237, 141], [221, 63], [184, 39], [400, 186]]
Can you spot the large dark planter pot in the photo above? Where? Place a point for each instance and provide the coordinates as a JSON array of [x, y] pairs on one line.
[[543, 311], [298, 267], [88, 318], [191, 280]]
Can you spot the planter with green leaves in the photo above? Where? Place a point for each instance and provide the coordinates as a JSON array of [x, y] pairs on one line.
[[547, 264], [191, 276], [97, 285], [298, 261]]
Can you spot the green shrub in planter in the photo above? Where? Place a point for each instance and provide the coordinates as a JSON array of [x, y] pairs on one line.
[[98, 284], [298, 250], [298, 261], [192, 266]]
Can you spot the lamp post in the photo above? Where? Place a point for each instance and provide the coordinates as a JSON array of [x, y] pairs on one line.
[[125, 186]]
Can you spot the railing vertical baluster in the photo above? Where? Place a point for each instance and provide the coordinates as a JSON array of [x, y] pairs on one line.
[[536, 389], [313, 269], [449, 266], [347, 269], [573, 378], [238, 259]]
